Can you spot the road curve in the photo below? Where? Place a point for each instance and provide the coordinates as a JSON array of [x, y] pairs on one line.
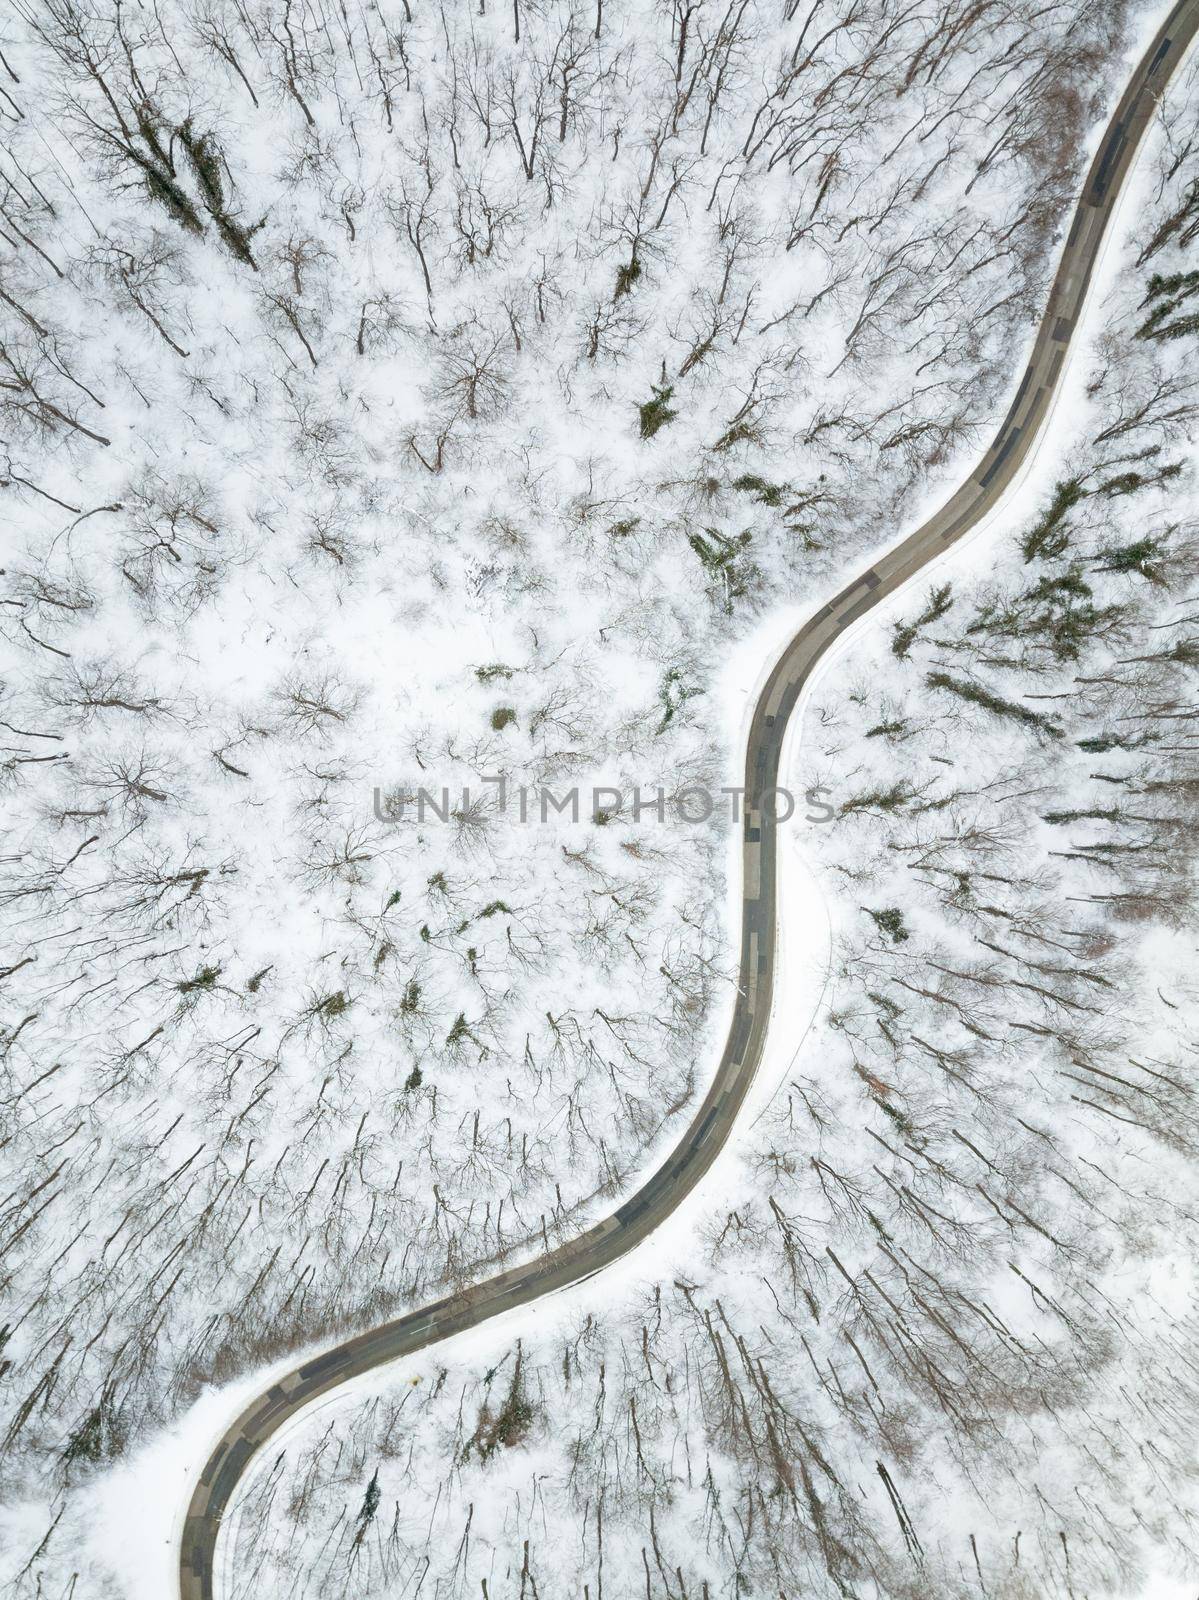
[[693, 1155]]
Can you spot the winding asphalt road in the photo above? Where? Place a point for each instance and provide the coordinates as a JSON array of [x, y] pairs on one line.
[[689, 1161]]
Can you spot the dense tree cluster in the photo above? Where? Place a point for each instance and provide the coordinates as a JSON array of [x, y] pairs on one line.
[[398, 396], [935, 1336]]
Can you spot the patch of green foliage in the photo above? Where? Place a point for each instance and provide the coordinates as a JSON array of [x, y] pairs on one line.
[[1048, 538], [769, 494], [460, 1031], [656, 413], [904, 633], [1180, 220], [495, 670], [1130, 482], [890, 922], [993, 703], [1094, 815], [1170, 291], [502, 717], [902, 1122], [370, 1500], [886, 800], [719, 554], [205, 156], [1185, 652], [1058, 610], [673, 695], [739, 433], [626, 276], [98, 1436], [205, 979], [163, 188], [1143, 557], [1102, 743], [507, 1426]]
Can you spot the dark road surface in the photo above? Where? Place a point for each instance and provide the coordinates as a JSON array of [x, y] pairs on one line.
[[690, 1160]]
